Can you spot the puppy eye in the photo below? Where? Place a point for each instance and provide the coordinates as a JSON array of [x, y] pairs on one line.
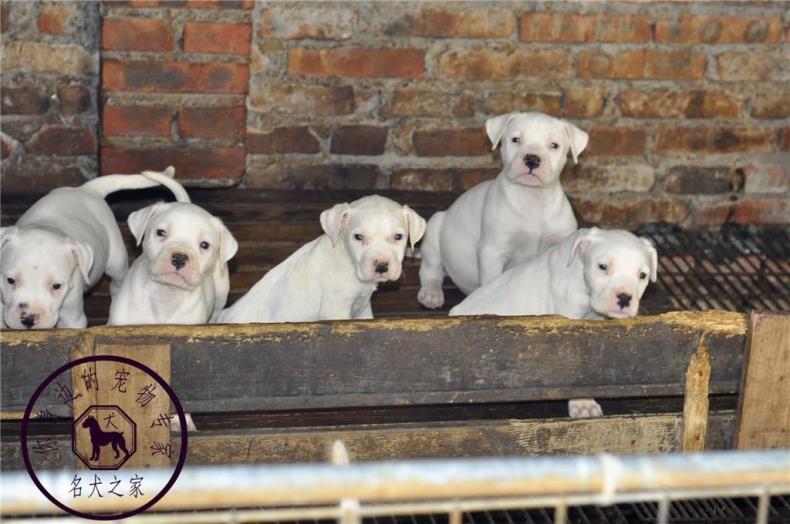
[[358, 236], [204, 245], [642, 275], [57, 285], [161, 233], [554, 145], [603, 267], [515, 140], [398, 236], [10, 281]]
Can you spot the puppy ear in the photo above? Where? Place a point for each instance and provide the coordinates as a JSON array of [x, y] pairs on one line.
[[7, 234], [138, 220], [334, 220], [228, 245], [578, 140], [583, 240], [83, 255], [496, 126], [415, 224], [653, 259]]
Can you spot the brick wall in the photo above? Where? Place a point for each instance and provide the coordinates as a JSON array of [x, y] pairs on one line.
[[48, 86], [687, 104]]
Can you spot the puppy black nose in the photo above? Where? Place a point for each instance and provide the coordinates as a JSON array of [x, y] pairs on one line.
[[623, 299], [29, 321], [179, 260], [23, 305], [382, 268], [532, 161]]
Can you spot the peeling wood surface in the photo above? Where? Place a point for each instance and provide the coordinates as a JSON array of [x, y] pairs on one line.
[[764, 410], [695, 407], [411, 361], [509, 437]]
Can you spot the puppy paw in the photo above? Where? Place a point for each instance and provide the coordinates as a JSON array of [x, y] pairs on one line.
[[584, 408], [431, 297]]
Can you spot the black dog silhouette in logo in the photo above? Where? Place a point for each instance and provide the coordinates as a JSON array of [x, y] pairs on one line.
[[101, 438]]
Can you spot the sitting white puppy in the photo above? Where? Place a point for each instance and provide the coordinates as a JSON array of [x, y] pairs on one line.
[[334, 276], [61, 247], [592, 274], [182, 275], [508, 220]]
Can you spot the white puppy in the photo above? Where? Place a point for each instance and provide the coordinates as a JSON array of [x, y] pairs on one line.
[[334, 276], [592, 274], [501, 222], [62, 246], [182, 275]]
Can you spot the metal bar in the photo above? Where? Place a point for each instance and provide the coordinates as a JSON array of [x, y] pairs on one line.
[[687, 275], [282, 485]]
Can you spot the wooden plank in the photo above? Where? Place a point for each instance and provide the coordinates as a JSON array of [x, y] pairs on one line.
[[435, 361], [695, 407], [509, 437], [764, 407]]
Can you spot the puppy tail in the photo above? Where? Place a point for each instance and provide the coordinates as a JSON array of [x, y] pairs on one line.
[[166, 179], [104, 185]]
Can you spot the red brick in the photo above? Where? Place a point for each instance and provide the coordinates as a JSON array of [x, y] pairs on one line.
[[359, 140], [357, 62], [422, 179], [74, 99], [305, 21], [749, 211], [187, 4], [472, 177], [136, 121], [769, 175], [42, 176], [332, 176], [213, 122], [699, 180], [451, 142], [23, 100], [445, 23], [678, 104], [722, 140], [575, 102], [719, 30], [227, 39], [616, 141], [785, 141], [136, 34], [771, 104], [7, 145], [303, 100], [62, 141], [409, 101], [662, 65], [482, 64], [583, 178], [576, 27], [5, 12], [54, 19], [175, 77], [752, 66], [628, 211], [283, 140], [190, 163]]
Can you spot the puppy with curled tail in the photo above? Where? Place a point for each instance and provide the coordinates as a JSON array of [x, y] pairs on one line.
[[182, 275]]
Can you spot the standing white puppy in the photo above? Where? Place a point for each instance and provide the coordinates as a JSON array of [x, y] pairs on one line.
[[182, 275], [592, 274], [334, 276], [61, 247], [501, 222]]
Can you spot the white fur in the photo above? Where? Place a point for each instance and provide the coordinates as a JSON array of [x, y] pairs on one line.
[[334, 276], [69, 238], [502, 222], [157, 290]]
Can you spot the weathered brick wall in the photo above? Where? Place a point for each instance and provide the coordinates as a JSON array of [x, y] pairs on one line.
[[48, 86], [687, 104]]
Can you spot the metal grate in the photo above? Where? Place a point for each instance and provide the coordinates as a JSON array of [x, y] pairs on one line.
[[737, 268]]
